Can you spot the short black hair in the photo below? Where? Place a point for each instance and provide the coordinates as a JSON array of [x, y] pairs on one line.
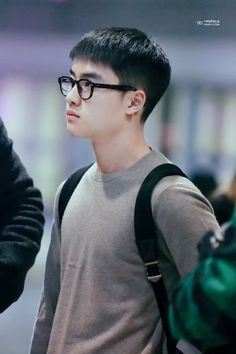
[[135, 58]]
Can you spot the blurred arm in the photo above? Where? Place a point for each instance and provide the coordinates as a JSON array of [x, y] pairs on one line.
[[21, 222], [203, 308]]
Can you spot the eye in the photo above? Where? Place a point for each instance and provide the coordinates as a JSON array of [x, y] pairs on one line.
[[86, 83], [70, 80]]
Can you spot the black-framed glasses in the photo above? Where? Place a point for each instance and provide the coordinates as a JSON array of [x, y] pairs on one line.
[[86, 87]]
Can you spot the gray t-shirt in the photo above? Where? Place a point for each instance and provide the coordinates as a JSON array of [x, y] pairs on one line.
[[96, 297]]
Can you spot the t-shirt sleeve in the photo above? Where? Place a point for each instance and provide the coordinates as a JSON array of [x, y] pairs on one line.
[[183, 215]]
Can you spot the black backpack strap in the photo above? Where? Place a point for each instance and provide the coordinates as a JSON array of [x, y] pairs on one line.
[[68, 188], [146, 240]]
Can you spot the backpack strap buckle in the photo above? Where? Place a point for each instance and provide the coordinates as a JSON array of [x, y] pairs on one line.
[[153, 272]]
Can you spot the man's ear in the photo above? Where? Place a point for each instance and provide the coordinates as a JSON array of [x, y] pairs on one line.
[[136, 101]]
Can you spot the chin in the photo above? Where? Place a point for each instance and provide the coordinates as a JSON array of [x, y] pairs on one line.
[[74, 131]]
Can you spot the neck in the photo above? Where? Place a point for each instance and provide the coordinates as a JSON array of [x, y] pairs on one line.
[[119, 153]]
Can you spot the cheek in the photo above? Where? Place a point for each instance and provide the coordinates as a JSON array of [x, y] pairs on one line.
[[112, 108], [105, 110]]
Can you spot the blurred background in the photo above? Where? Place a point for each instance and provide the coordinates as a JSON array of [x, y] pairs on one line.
[[194, 124]]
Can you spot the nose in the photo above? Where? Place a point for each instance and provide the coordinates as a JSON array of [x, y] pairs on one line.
[[73, 98]]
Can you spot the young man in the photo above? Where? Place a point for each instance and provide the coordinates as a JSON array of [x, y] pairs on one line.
[[204, 308], [96, 297], [21, 222]]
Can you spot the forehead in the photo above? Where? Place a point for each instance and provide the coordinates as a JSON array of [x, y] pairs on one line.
[[82, 68]]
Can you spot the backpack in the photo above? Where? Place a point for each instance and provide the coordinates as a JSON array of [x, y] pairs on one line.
[[145, 234]]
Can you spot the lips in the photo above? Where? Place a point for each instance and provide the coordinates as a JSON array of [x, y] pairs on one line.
[[70, 114]]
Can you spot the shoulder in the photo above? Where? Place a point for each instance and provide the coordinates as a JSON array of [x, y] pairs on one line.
[[180, 208], [67, 188], [177, 190]]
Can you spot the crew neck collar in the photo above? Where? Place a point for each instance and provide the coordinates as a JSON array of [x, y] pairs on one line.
[[106, 177]]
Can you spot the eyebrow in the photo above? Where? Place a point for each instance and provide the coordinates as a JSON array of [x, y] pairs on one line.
[[88, 75]]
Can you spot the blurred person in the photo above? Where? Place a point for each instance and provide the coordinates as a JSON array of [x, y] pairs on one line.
[[21, 222], [223, 204], [205, 181], [203, 309], [96, 296]]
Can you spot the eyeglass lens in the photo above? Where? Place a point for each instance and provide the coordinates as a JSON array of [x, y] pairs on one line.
[[83, 86]]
